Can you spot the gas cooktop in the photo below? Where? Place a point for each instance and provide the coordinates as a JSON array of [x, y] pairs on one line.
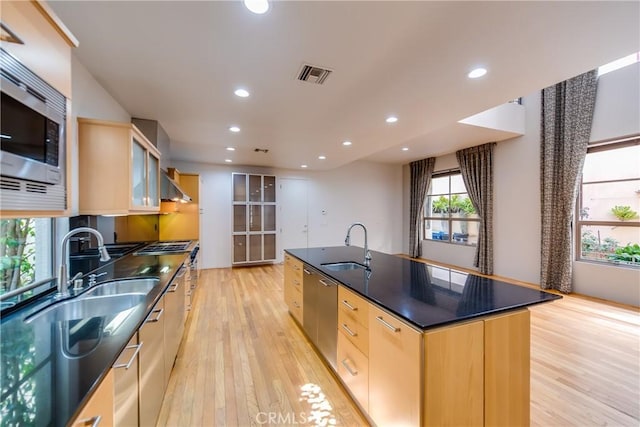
[[160, 248]]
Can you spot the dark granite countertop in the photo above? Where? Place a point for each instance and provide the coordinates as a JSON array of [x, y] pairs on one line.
[[424, 295], [50, 369]]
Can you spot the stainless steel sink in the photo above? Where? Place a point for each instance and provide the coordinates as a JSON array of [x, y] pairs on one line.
[[86, 307], [341, 266], [126, 286]]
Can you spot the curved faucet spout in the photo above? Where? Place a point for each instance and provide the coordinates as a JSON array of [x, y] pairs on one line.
[[63, 276], [347, 242]]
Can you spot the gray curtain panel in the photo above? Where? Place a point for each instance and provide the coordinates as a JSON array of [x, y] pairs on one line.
[[567, 113], [476, 168], [421, 171]]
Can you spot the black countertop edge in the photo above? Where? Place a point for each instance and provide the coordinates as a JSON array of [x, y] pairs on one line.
[[413, 291], [102, 359]]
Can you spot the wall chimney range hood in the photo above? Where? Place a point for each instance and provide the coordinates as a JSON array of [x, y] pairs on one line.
[[170, 190]]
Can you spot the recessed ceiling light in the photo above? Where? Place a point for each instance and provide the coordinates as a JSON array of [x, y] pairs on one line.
[[231, 149], [303, 166], [234, 129], [477, 72], [391, 119], [346, 143], [405, 148], [257, 6], [242, 93], [228, 160], [322, 157]]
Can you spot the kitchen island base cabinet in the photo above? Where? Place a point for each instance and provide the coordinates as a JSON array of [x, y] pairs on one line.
[[395, 354], [454, 370], [99, 410], [126, 384], [507, 358], [353, 369], [293, 287]]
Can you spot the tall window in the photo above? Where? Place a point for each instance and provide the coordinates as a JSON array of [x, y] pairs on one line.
[[25, 253], [609, 204], [449, 215]]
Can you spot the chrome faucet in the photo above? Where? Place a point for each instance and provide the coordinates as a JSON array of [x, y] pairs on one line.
[[347, 242], [63, 276]]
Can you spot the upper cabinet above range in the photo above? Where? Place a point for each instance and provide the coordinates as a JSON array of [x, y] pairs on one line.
[[119, 169], [36, 37]]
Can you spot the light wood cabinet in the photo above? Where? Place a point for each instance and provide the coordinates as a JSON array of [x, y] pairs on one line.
[[507, 373], [119, 169], [395, 353], [182, 220], [353, 369], [46, 43], [353, 319], [254, 218], [99, 410], [293, 287], [126, 371], [453, 373]]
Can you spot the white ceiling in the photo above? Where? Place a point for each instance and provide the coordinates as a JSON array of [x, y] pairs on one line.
[[179, 62]]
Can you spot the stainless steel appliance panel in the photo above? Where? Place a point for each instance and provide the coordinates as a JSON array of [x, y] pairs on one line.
[[320, 319]]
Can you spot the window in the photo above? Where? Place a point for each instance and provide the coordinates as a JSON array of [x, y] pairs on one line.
[[608, 204], [26, 248], [449, 215]]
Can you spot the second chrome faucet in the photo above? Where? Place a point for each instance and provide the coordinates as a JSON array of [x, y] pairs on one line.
[[347, 242]]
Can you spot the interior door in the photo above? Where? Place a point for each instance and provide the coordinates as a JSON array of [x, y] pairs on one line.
[[293, 215]]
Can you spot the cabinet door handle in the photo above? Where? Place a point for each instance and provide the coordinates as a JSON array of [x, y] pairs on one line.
[[387, 324], [173, 288], [348, 368], [135, 354], [349, 306], [93, 421], [306, 271], [296, 304], [296, 282], [182, 270], [324, 283], [158, 316], [349, 331]]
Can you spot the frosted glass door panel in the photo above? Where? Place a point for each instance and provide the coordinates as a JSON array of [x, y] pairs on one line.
[[255, 218], [269, 246], [239, 188], [138, 174], [239, 218], [239, 248], [255, 188], [255, 247], [154, 195], [269, 189], [269, 217]]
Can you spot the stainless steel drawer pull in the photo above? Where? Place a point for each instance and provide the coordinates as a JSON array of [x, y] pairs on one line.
[[158, 316], [130, 362], [173, 288], [327, 284], [93, 421], [348, 368], [296, 304], [296, 282], [349, 331], [306, 271], [349, 306], [182, 271], [387, 324]]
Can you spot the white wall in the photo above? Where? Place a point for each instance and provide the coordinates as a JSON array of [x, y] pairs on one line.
[[361, 191], [517, 196]]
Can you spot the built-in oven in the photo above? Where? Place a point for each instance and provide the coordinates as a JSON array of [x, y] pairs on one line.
[[32, 139]]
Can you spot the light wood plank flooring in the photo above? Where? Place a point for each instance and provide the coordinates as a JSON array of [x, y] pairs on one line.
[[243, 361]]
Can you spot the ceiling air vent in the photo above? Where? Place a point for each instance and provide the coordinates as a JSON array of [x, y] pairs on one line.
[[313, 74]]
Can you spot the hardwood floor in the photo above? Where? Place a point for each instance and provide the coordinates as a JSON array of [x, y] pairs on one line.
[[243, 361]]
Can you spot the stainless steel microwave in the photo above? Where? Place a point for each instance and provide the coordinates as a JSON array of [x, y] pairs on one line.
[[32, 139]]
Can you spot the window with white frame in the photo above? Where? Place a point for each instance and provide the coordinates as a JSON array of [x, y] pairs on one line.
[[608, 206], [449, 215]]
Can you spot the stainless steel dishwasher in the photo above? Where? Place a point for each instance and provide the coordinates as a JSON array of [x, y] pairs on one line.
[[320, 319]]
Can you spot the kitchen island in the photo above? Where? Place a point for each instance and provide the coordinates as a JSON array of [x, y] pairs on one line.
[[51, 367], [419, 344]]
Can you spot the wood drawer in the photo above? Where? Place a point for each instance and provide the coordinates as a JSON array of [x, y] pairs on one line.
[[352, 306], [292, 267], [353, 368], [354, 332]]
